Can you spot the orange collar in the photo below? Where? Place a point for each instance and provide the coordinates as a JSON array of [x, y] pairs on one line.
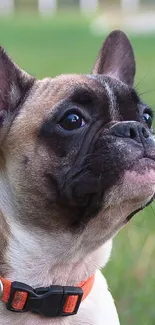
[[52, 301]]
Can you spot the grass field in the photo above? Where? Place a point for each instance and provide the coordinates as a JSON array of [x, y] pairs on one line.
[[64, 44]]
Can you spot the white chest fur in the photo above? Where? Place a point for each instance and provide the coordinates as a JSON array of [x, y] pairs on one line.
[[41, 259]]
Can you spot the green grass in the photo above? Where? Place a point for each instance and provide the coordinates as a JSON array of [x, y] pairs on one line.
[[64, 44]]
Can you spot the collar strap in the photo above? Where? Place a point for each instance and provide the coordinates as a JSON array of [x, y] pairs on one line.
[[51, 301]]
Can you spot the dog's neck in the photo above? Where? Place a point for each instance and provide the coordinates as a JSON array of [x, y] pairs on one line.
[[41, 259], [38, 258]]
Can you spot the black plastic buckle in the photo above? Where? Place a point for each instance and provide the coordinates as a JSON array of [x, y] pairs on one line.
[[48, 302]]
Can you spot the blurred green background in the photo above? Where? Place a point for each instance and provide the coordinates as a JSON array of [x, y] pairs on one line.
[[64, 43]]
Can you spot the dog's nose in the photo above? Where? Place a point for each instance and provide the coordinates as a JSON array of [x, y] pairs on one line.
[[132, 130]]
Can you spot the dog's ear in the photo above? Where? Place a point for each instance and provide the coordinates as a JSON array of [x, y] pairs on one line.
[[14, 84], [116, 58]]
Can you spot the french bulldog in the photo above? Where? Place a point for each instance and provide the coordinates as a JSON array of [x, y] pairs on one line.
[[77, 161]]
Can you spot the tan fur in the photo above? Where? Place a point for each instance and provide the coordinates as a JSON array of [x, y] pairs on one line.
[[4, 239], [22, 140], [39, 244]]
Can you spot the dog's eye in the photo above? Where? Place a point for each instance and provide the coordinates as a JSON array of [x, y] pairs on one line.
[[72, 121], [148, 119]]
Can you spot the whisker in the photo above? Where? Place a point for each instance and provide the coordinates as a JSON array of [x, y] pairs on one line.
[[87, 156], [146, 92], [141, 80], [80, 170], [77, 172], [72, 180]]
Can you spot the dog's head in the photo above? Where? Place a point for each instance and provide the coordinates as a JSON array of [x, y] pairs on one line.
[[77, 151]]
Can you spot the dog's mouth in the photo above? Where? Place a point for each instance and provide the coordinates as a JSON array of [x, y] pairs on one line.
[[140, 178], [143, 178], [131, 194], [130, 216], [130, 190], [138, 186], [133, 191]]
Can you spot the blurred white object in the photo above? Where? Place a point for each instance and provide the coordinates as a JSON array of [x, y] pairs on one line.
[[6, 6], [47, 6], [130, 5], [130, 22], [88, 6], [143, 23]]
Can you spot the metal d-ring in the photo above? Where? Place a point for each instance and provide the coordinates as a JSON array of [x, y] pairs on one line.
[[1, 289]]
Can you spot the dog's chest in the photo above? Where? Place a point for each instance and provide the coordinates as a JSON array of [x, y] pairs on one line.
[[97, 309]]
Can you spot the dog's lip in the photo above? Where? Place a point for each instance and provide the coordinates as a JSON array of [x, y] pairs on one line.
[[146, 160], [149, 158], [131, 215], [143, 163]]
